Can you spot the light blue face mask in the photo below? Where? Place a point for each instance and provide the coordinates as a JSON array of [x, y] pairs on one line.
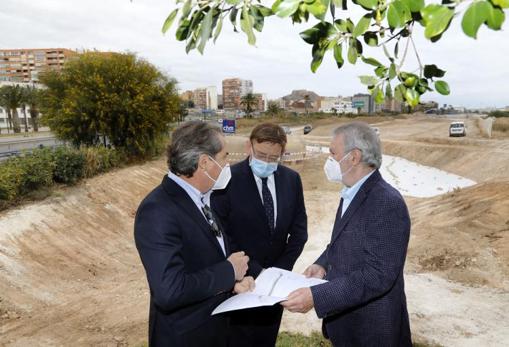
[[261, 168]]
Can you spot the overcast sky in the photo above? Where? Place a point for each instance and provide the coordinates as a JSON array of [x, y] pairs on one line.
[[477, 70]]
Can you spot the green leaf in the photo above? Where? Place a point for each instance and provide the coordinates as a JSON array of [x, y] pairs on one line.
[[381, 71], [442, 87], [368, 80], [186, 9], [501, 3], [414, 5], [475, 15], [318, 53], [206, 29], [362, 25], [169, 21], [431, 71], [378, 95], [371, 38], [436, 19], [233, 2], [352, 54], [388, 91], [233, 16], [246, 24], [320, 30], [392, 71], [496, 18], [368, 4], [318, 8], [398, 14], [411, 97], [399, 92], [218, 28], [371, 61], [183, 30], [265, 11], [285, 8], [338, 55], [341, 25]]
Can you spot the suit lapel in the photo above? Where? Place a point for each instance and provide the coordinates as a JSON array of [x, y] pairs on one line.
[[187, 205], [354, 205]]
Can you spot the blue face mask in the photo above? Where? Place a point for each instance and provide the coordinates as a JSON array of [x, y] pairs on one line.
[[261, 168]]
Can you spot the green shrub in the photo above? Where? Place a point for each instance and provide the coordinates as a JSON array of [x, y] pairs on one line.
[[37, 168], [69, 165], [101, 159], [11, 175], [499, 114]]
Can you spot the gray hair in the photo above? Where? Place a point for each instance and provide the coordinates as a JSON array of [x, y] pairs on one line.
[[188, 142], [361, 136]]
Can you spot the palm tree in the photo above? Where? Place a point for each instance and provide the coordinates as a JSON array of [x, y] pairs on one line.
[[248, 101], [273, 108], [307, 102], [31, 98], [12, 97]]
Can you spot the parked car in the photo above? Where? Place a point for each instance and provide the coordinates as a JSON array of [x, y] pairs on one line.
[[307, 129], [457, 129]]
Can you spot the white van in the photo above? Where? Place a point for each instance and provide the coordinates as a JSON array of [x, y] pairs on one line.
[[457, 129]]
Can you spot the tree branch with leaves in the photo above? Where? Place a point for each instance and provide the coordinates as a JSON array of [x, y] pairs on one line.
[[384, 25]]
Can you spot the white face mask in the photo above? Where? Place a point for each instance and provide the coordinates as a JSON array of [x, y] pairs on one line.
[[333, 169], [224, 176]]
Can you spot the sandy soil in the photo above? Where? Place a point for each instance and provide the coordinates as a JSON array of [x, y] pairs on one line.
[[70, 274]]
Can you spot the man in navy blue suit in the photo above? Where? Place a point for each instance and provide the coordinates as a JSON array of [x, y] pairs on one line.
[[187, 257], [364, 302], [263, 212]]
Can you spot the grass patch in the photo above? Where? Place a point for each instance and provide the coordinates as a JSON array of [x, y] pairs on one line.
[[316, 339]]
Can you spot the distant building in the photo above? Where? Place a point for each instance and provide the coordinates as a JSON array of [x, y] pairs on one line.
[[336, 105], [25, 65], [187, 95], [392, 105], [302, 101], [233, 90], [363, 103], [205, 98], [261, 102]]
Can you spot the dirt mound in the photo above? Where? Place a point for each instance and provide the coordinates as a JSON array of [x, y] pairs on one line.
[[69, 270], [464, 235]]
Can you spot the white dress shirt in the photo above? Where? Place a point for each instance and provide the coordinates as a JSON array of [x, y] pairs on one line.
[[197, 197], [271, 184]]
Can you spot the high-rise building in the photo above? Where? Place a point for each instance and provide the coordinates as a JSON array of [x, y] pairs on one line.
[[24, 65], [205, 98], [233, 90]]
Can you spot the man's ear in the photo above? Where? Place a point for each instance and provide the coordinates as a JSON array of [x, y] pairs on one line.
[[248, 147], [356, 156], [203, 161]]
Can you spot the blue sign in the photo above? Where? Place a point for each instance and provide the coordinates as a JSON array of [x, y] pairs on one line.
[[229, 126]]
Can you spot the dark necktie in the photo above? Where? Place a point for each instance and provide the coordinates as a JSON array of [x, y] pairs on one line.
[[268, 204], [214, 226]]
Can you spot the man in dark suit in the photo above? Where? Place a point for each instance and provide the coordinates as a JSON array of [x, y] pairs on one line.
[[187, 257], [364, 302], [263, 212]]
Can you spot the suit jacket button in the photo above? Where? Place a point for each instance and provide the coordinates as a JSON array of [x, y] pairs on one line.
[[330, 267]]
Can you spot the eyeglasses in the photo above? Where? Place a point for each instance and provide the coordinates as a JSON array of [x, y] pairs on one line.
[[264, 156]]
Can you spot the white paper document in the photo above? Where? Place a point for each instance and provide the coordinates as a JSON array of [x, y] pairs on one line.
[[272, 286]]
